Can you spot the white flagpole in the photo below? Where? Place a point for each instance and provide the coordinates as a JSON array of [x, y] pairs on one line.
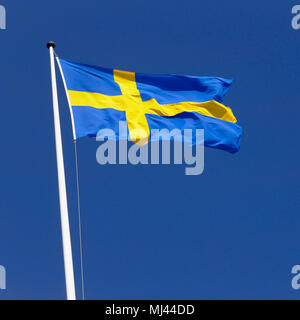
[[65, 228]]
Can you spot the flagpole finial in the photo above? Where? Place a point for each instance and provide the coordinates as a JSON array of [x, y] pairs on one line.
[[51, 44]]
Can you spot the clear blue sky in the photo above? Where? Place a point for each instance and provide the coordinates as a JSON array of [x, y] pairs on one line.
[[150, 231]]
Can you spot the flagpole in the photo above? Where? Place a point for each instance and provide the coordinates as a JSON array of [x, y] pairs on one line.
[[65, 227]]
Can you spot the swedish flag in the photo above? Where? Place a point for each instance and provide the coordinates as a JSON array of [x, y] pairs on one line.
[[101, 97]]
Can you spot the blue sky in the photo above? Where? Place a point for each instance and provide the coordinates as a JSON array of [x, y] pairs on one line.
[[150, 232]]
